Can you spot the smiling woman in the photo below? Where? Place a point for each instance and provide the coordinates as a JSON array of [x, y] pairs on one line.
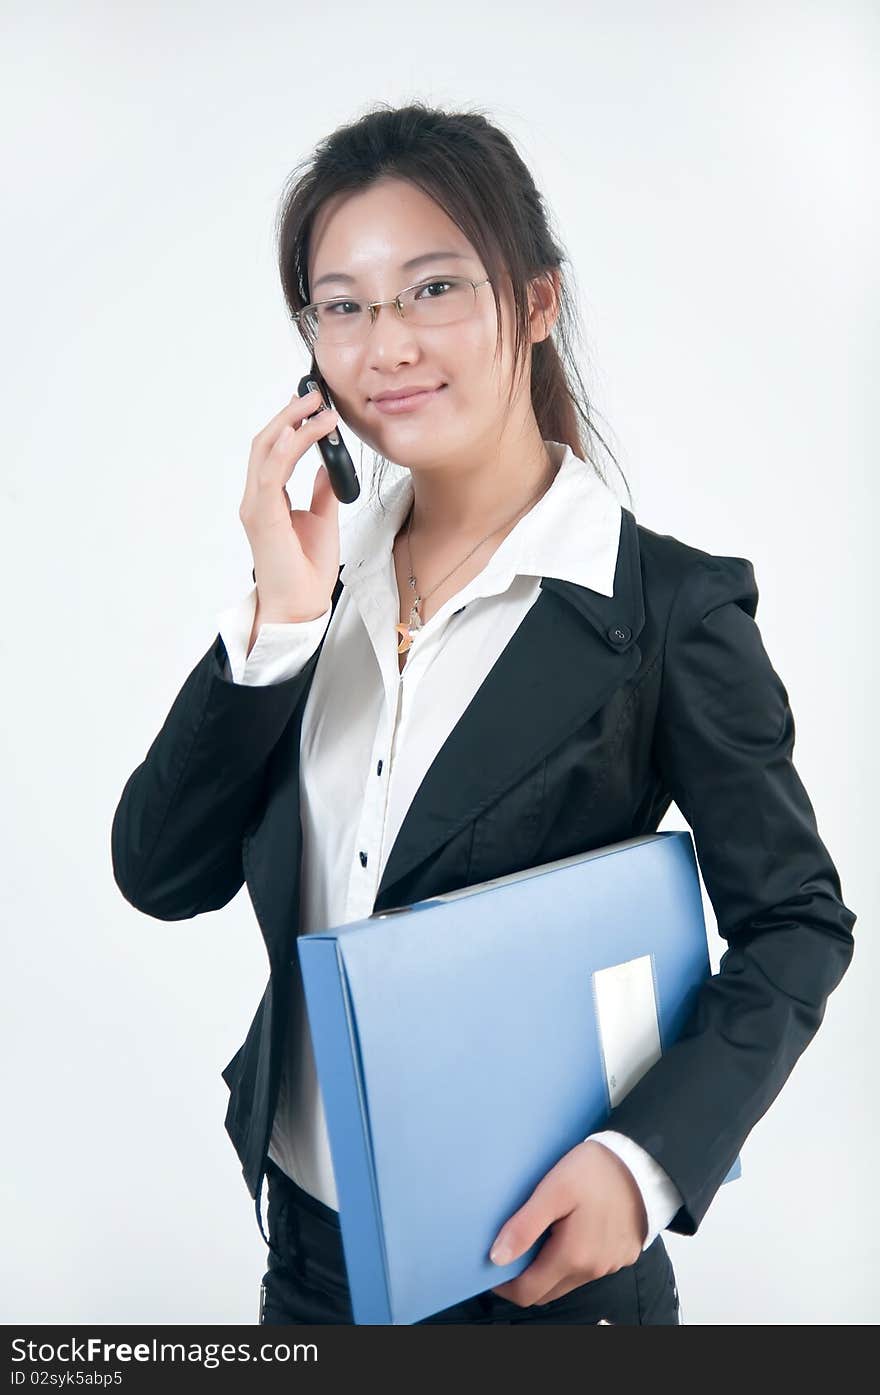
[[416, 252], [505, 669], [419, 267]]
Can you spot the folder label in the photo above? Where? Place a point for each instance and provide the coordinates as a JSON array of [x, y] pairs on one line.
[[626, 1016]]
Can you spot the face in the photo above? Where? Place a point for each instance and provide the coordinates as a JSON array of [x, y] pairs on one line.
[[368, 236]]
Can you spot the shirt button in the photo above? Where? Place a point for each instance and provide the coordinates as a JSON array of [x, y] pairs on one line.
[[363, 859], [619, 634], [379, 768]]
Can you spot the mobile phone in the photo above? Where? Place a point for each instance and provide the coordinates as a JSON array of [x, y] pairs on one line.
[[340, 467]]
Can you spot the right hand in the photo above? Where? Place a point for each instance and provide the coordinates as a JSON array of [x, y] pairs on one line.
[[296, 551]]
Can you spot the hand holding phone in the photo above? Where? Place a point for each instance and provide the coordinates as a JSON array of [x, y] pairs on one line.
[[295, 551], [334, 451]]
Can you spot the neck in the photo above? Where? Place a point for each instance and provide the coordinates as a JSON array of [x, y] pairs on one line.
[[462, 500]]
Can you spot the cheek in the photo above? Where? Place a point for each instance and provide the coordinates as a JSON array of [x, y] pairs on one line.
[[341, 374], [475, 379], [477, 343], [342, 378]]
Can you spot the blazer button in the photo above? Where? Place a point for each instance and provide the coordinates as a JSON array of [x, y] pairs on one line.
[[619, 634], [363, 859]]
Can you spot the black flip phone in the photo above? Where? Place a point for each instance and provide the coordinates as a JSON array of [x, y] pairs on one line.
[[340, 467]]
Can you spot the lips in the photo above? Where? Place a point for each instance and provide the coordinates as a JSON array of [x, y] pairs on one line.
[[408, 402], [406, 392]]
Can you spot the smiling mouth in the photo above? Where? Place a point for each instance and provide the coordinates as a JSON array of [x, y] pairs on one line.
[[412, 400]]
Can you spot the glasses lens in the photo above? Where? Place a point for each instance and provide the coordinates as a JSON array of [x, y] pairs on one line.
[[441, 302], [336, 321]]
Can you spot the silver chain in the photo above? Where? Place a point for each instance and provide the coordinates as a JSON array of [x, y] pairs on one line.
[[415, 619]]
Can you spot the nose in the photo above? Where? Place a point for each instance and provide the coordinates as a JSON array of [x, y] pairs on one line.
[[390, 334]]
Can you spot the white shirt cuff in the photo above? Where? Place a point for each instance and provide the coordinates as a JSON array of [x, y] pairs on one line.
[[659, 1193], [280, 650]]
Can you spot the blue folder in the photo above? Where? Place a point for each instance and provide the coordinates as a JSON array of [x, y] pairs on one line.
[[463, 1044]]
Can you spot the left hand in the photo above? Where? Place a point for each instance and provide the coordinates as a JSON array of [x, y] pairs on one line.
[[598, 1225]]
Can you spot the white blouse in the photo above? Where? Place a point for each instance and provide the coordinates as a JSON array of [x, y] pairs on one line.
[[370, 732]]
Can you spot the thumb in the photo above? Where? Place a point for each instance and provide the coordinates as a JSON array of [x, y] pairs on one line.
[[324, 502], [522, 1229]]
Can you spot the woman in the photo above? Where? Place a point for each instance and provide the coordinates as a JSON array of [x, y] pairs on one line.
[[504, 670]]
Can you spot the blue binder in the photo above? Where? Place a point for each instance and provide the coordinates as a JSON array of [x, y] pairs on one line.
[[464, 1044]]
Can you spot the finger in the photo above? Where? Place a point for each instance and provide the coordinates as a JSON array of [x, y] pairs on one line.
[[558, 1292], [324, 502], [269, 471], [567, 1286], [550, 1201], [293, 414], [295, 441], [549, 1269]]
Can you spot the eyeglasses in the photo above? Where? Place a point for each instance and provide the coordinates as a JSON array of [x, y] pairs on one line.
[[443, 301]]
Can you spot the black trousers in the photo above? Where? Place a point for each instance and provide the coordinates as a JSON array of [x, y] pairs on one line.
[[306, 1280]]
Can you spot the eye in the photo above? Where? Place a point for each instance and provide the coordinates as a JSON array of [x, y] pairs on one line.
[[338, 305], [430, 285]]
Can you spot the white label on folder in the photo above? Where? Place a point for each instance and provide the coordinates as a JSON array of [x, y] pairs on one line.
[[626, 1016]]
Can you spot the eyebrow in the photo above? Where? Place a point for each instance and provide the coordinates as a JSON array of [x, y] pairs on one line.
[[404, 266]]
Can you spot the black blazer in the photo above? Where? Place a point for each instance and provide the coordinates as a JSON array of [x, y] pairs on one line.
[[598, 714]]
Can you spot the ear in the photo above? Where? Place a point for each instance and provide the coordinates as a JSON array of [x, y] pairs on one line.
[[543, 303]]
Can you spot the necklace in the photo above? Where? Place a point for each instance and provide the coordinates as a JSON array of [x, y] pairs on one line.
[[405, 632]]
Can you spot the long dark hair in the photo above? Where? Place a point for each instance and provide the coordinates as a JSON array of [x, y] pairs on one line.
[[472, 170]]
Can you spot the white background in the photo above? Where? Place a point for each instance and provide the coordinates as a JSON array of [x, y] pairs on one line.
[[708, 169]]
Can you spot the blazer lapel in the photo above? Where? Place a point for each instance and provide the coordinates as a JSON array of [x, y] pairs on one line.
[[574, 648]]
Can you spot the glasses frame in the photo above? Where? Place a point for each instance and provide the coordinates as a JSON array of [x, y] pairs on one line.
[[374, 305]]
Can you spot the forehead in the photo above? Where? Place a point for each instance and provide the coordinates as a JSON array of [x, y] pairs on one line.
[[373, 232]]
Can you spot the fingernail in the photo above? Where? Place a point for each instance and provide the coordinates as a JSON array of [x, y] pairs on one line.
[[500, 1251]]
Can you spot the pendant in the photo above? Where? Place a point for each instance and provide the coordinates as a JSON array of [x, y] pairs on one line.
[[406, 631], [415, 623]]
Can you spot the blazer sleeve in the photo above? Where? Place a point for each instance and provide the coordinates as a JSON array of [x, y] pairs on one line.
[[177, 831], [723, 745]]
